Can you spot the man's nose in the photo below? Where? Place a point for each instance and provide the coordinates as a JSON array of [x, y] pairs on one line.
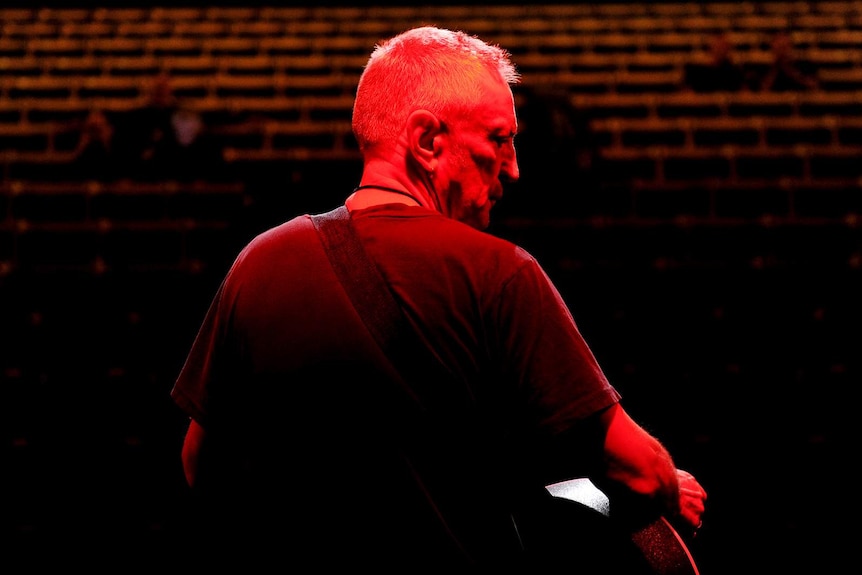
[[509, 170]]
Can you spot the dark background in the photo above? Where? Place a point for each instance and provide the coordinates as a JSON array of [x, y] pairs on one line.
[[716, 278]]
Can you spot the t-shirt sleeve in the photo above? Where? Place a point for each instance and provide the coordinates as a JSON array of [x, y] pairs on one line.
[[554, 367], [207, 384], [191, 389]]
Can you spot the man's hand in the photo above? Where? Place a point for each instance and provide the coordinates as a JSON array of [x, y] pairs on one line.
[[692, 500]]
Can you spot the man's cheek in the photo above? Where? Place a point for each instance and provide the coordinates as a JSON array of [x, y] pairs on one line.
[[488, 165]]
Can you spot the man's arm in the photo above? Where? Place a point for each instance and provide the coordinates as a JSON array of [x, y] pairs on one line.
[[636, 463], [193, 445]]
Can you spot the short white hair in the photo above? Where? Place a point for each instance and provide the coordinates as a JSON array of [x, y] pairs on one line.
[[427, 68]]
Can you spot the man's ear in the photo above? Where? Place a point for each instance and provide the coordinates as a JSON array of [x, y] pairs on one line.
[[423, 131]]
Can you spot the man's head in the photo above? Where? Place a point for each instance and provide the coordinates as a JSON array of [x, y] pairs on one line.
[[436, 105]]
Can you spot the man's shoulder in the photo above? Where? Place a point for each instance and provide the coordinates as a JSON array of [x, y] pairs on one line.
[[294, 225], [283, 238]]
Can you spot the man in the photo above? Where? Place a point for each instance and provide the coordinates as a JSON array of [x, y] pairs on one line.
[[308, 444]]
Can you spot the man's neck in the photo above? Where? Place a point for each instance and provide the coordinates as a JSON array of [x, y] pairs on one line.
[[369, 195]]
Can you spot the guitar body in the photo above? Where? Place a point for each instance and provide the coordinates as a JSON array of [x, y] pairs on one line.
[[574, 526], [664, 549]]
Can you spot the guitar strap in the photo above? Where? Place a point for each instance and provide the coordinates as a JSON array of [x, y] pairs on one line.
[[383, 317], [367, 290]]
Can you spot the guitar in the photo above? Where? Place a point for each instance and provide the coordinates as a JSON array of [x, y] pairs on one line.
[[656, 540]]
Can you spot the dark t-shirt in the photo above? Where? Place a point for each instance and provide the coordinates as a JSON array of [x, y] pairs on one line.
[[339, 453]]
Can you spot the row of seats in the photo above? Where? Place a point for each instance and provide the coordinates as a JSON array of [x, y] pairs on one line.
[[662, 246], [97, 250], [104, 227], [120, 200], [738, 182], [265, 134], [31, 215], [722, 183], [123, 318], [42, 110], [195, 86], [335, 134], [722, 104], [610, 15], [798, 167], [690, 187], [830, 202], [732, 162], [302, 39], [750, 131], [106, 68], [118, 64], [198, 84], [753, 45], [684, 120]]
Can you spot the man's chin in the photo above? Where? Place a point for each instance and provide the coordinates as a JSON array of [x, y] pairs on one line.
[[479, 216], [483, 219]]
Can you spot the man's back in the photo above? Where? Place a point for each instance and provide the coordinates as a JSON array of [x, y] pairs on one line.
[[344, 459]]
